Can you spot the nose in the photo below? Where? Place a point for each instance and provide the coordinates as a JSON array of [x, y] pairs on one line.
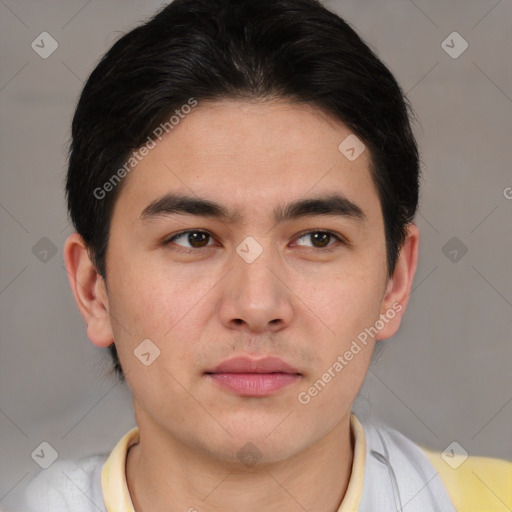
[[255, 296]]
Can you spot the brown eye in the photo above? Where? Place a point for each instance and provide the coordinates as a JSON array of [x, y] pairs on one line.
[[320, 239], [195, 239]]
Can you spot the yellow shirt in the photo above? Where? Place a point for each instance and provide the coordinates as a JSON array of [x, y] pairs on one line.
[[479, 484]]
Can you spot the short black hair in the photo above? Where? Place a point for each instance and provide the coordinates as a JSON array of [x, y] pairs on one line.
[[235, 49]]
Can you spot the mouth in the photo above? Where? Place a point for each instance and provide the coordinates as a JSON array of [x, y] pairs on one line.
[[249, 377]]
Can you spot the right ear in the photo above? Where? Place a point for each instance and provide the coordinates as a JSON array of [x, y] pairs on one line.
[[89, 290]]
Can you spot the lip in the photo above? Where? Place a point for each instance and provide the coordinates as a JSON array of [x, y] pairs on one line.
[[248, 365], [254, 377]]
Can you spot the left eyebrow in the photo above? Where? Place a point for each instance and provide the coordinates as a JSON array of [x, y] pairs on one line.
[[172, 204]]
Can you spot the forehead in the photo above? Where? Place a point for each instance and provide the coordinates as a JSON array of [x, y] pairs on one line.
[[247, 156]]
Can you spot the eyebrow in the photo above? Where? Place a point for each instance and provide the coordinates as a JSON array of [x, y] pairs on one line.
[[332, 204]]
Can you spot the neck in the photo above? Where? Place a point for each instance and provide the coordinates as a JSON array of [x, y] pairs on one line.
[[166, 475]]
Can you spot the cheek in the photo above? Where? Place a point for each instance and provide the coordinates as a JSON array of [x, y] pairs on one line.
[[347, 302], [162, 304], [152, 298], [345, 354]]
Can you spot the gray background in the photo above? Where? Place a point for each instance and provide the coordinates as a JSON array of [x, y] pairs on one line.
[[445, 376]]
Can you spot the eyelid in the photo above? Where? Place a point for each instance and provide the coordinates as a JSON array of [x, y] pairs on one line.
[[340, 238], [185, 232]]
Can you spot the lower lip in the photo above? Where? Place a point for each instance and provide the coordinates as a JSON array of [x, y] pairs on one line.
[[254, 384]]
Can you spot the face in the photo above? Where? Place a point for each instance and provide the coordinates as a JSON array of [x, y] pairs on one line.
[[301, 283]]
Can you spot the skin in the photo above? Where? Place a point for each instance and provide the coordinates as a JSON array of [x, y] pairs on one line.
[[201, 306]]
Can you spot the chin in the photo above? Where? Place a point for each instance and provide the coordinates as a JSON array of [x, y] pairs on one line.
[[251, 445]]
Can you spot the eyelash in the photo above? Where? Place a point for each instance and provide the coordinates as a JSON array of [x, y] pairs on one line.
[[329, 248]]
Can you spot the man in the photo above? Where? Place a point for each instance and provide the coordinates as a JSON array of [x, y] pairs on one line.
[[243, 181]]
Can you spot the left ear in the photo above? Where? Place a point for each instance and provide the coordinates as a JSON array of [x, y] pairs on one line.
[[399, 286]]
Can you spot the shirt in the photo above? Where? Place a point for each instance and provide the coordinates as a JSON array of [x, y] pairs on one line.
[[98, 483]]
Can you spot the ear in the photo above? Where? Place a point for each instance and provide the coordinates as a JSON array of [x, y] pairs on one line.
[[399, 285], [89, 290]]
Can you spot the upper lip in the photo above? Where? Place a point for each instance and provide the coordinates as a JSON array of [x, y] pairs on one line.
[[249, 365]]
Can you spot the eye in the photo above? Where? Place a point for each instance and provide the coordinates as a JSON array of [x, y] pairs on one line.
[[195, 238], [320, 239]]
